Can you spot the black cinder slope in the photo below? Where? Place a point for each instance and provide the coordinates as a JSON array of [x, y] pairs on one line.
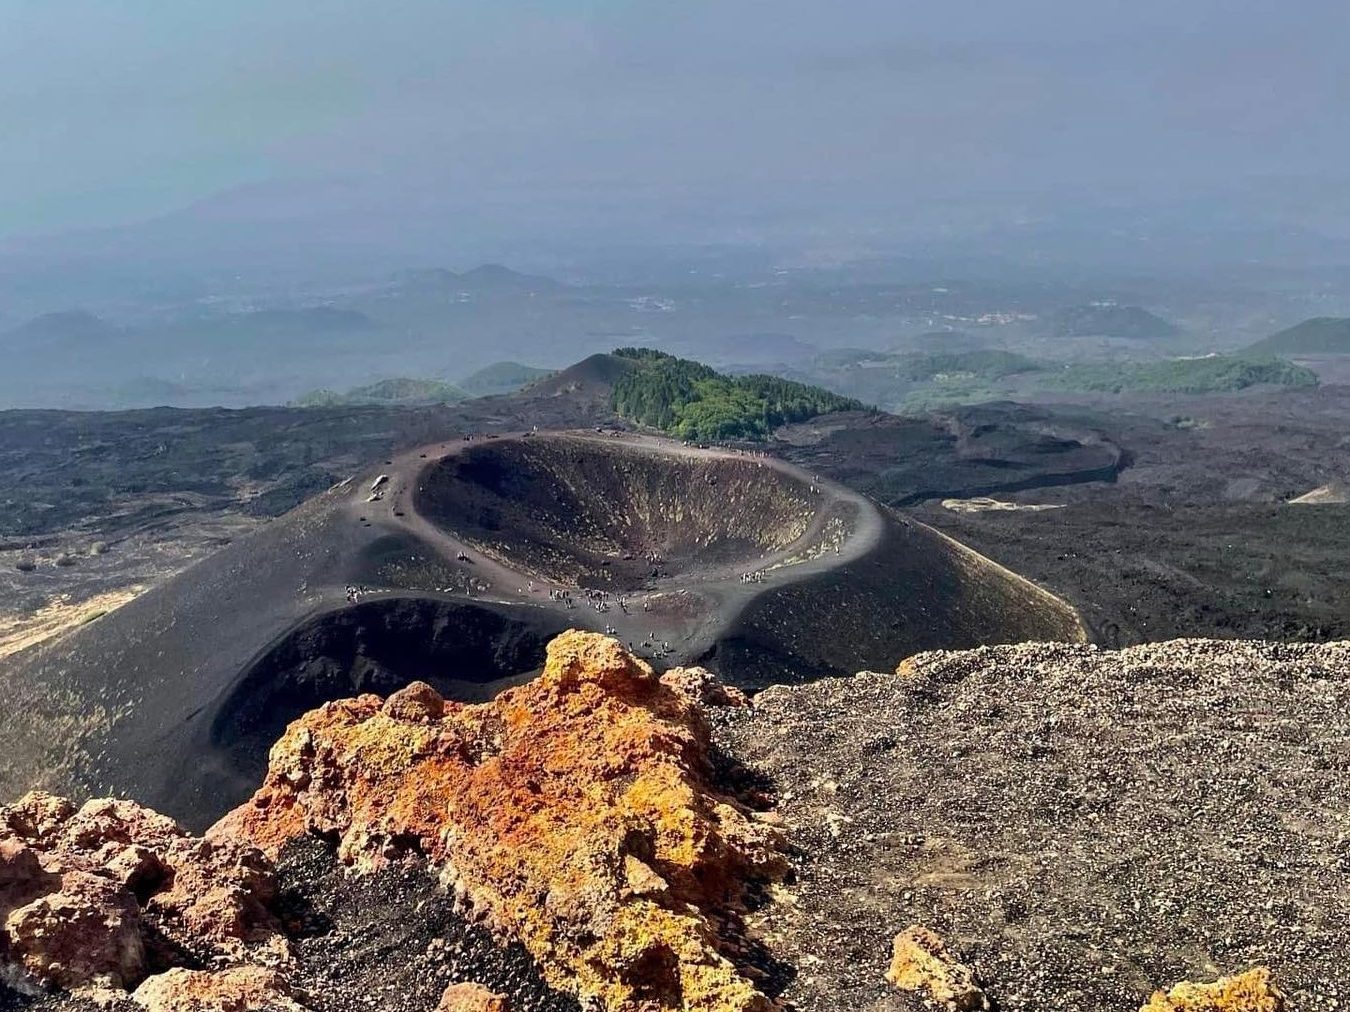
[[456, 562]]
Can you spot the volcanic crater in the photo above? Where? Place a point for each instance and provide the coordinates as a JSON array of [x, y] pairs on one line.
[[611, 514], [455, 563]]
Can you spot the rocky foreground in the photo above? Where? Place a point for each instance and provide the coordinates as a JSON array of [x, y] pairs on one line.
[[1037, 827]]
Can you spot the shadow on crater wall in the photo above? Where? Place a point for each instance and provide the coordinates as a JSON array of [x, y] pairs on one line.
[[468, 652]]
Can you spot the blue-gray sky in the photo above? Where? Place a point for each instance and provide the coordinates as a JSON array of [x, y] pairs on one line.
[[115, 111]]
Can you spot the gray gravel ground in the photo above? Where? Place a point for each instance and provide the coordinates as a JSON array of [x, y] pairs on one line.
[[392, 942], [1081, 825]]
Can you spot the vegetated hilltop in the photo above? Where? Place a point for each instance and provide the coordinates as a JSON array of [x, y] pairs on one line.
[[1044, 827], [400, 390], [501, 378], [956, 377], [1210, 374], [692, 401], [1107, 319], [1321, 335]]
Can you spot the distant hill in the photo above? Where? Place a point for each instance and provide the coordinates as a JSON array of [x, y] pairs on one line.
[[487, 278], [1106, 319], [1322, 335], [313, 317], [278, 324], [915, 380], [75, 326], [593, 378], [941, 340], [985, 363], [501, 378], [398, 391]]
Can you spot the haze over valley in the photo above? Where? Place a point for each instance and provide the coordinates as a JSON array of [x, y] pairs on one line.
[[707, 507]]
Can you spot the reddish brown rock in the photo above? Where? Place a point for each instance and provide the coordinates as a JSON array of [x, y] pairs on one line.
[[96, 896], [470, 997], [574, 813], [238, 989], [22, 877], [87, 932], [700, 686], [415, 702]]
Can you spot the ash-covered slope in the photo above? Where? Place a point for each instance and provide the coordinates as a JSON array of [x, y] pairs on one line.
[[1082, 826], [454, 564]]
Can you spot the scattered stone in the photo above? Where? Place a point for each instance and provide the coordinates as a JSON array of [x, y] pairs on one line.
[[470, 997], [1085, 821], [238, 989], [921, 963], [1246, 992]]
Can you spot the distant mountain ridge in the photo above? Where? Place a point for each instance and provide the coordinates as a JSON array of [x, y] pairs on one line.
[[484, 278], [501, 378], [401, 390], [76, 325], [1107, 319]]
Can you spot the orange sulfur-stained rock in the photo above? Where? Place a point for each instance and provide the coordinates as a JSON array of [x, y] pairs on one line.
[[921, 963], [1245, 992], [470, 997], [574, 813]]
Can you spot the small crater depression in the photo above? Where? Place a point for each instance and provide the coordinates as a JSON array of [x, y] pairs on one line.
[[601, 513]]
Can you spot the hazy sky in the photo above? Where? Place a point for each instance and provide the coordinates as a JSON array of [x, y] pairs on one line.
[[113, 110]]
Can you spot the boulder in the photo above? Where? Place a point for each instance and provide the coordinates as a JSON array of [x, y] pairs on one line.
[[922, 964], [237, 989], [1251, 991], [470, 997], [87, 932], [95, 897]]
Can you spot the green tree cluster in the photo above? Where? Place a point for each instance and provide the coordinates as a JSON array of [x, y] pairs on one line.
[[692, 401], [1211, 374]]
